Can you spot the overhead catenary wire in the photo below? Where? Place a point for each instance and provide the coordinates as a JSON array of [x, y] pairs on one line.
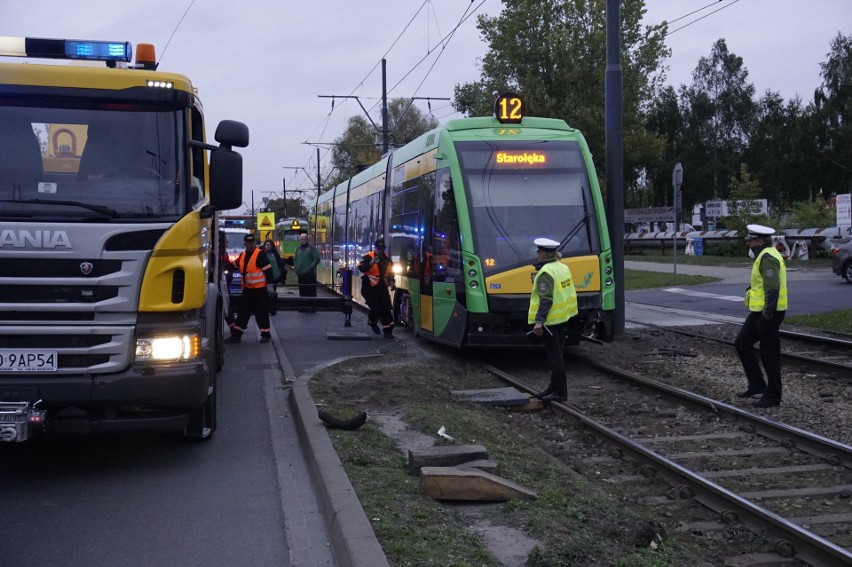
[[702, 17], [442, 43]]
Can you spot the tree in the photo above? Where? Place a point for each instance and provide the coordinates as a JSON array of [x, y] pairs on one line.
[[360, 144], [553, 53], [743, 207], [354, 149], [720, 108], [808, 214], [665, 118], [833, 118], [407, 122], [780, 150]]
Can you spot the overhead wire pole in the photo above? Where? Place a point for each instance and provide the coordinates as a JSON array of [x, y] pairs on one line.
[[615, 156], [384, 130], [385, 134]]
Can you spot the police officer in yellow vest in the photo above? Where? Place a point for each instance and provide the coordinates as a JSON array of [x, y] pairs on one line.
[[553, 301], [766, 300]]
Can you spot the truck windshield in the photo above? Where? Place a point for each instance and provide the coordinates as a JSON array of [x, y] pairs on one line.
[[522, 190], [80, 164]]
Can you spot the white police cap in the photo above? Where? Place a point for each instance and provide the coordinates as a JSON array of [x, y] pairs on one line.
[[546, 244], [758, 231]]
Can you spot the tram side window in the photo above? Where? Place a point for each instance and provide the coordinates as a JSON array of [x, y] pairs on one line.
[[404, 234], [446, 257]]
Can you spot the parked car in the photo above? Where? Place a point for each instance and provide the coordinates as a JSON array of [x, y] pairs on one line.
[[841, 263]]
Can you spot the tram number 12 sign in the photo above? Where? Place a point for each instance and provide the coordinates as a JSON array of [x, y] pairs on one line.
[[509, 108]]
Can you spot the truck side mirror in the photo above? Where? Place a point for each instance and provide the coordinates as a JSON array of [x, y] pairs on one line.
[[226, 166]]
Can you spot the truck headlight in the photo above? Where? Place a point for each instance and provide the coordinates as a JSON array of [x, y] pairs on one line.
[[168, 348]]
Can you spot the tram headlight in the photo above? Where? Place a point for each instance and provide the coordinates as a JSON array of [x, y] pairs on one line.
[[474, 284], [608, 281], [608, 270], [472, 273], [397, 269]]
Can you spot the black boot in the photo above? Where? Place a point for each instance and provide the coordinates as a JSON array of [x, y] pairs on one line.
[[546, 392], [233, 339], [388, 331], [375, 328]]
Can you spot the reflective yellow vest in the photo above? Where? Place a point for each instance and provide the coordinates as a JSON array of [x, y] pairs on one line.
[[755, 296], [564, 295]]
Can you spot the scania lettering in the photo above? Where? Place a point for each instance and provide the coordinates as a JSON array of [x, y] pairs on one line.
[[35, 239], [112, 298]]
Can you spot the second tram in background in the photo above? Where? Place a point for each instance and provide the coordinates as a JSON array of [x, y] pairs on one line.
[[459, 208], [287, 233]]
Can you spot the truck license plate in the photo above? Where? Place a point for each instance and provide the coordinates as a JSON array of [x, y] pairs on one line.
[[16, 360]]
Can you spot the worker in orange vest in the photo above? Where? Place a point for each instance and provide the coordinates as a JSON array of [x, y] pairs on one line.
[[376, 278], [257, 283]]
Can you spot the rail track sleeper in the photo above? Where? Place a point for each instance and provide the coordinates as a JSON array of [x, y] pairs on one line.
[[809, 547]]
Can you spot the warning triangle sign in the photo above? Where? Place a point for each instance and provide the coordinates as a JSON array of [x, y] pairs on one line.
[[266, 221]]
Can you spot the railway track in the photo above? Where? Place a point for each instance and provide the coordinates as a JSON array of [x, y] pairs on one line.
[[790, 486], [821, 352]]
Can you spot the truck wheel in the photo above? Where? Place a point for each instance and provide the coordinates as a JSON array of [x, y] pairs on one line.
[[202, 420], [220, 345], [847, 272]]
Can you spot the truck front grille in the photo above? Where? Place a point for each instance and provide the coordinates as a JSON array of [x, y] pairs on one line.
[[80, 349], [56, 294]]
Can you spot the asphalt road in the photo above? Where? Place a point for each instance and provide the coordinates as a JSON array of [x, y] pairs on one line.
[[808, 292], [151, 500]]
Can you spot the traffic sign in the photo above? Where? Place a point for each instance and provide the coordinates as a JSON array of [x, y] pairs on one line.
[[265, 221]]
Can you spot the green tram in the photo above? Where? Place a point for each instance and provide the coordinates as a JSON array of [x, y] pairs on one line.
[[286, 235], [459, 208]]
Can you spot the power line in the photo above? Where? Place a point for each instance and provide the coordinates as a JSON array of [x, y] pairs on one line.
[[694, 12], [702, 17], [443, 42]]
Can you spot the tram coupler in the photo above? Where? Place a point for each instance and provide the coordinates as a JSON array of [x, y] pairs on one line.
[[20, 420]]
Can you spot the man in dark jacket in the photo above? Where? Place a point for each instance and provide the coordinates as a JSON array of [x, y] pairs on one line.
[[376, 278]]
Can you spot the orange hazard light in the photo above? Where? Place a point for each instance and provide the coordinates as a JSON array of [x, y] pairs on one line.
[[145, 55]]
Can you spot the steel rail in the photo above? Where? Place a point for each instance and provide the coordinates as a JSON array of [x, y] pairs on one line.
[[791, 540], [807, 360]]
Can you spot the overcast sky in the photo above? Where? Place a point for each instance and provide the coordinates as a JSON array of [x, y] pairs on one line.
[[265, 62]]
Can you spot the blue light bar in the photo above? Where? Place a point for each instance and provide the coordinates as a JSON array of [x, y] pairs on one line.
[[66, 49], [98, 50]]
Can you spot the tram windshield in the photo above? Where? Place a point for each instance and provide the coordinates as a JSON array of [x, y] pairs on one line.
[[520, 191]]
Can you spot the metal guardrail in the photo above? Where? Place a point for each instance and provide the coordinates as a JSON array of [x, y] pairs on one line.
[[813, 238]]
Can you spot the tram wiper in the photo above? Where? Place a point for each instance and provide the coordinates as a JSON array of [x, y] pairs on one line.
[[96, 208], [574, 230]]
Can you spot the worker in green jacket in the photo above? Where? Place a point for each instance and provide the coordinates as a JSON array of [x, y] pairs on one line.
[[305, 262]]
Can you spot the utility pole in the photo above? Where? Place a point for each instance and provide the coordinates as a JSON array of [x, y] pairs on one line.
[[385, 133], [614, 84], [385, 129]]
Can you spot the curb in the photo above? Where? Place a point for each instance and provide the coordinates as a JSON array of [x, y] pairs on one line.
[[351, 536]]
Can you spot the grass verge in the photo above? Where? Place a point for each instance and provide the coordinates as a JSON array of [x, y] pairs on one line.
[[638, 279], [575, 522], [835, 321]]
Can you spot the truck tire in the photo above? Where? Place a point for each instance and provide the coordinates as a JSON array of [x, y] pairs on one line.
[[202, 420]]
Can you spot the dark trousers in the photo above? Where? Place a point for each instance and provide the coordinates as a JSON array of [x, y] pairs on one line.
[[378, 300], [253, 302], [757, 328], [553, 344], [307, 285]]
